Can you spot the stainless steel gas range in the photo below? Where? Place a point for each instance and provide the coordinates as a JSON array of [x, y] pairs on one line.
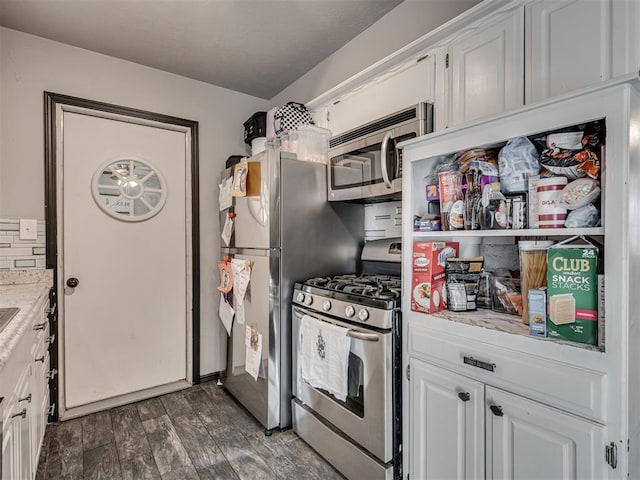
[[360, 436]]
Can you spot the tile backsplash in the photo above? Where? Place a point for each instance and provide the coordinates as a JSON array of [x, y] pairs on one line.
[[16, 254]]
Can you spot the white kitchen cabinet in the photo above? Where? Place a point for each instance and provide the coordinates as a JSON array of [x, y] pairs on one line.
[[24, 386], [448, 439], [447, 424], [39, 407], [525, 437], [10, 442], [569, 410], [486, 67], [405, 85], [16, 449], [574, 44], [559, 58]]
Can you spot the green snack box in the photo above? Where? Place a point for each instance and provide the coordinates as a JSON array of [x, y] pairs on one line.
[[572, 288]]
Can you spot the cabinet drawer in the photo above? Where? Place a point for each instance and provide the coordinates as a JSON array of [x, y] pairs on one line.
[[576, 390]]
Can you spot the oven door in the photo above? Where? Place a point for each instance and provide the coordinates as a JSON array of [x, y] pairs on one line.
[[369, 167], [366, 415]]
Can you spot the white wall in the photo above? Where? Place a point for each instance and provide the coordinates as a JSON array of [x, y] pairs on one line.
[[30, 65], [407, 22]]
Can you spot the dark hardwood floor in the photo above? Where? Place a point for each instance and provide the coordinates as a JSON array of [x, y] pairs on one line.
[[198, 433]]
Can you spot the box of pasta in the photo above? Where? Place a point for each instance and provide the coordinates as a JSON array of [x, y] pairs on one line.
[[572, 291]]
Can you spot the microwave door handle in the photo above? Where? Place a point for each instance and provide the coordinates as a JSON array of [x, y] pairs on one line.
[[383, 159]]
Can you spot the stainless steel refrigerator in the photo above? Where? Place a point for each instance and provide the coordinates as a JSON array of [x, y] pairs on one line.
[[291, 233]]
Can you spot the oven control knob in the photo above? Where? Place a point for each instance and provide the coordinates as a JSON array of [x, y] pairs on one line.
[[300, 297], [326, 305], [350, 311], [363, 314], [308, 300]]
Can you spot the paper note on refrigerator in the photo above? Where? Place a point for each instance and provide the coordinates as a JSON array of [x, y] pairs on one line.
[[239, 184], [239, 307], [227, 230], [253, 357], [224, 197], [226, 276], [241, 270], [226, 313]]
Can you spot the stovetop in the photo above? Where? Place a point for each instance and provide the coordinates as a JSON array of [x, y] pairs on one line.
[[383, 287], [372, 300]]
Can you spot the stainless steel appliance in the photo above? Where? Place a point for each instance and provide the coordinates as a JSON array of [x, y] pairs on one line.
[[364, 163], [289, 232], [360, 436]]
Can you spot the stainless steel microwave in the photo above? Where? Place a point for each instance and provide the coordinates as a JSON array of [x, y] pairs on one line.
[[364, 163]]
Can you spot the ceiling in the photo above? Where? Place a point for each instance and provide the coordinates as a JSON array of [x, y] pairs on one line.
[[257, 47]]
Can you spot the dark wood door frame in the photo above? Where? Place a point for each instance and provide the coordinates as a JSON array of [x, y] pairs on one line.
[[51, 101]]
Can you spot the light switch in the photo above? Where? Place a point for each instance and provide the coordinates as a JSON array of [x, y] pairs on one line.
[[28, 229]]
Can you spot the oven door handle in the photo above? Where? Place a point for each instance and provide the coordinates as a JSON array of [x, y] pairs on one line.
[[367, 337]]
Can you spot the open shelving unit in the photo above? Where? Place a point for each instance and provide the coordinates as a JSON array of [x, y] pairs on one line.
[[566, 390]]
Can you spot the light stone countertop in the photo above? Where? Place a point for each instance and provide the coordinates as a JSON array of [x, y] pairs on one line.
[[26, 296]]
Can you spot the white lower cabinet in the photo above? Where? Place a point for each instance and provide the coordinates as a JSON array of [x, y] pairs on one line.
[[447, 424], [460, 428], [25, 405], [16, 448], [527, 439]]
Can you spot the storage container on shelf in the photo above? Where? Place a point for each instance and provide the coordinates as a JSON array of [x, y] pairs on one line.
[[533, 269], [313, 143]]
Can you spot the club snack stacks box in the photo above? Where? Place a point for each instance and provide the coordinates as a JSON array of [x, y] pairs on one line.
[[572, 289], [428, 275]]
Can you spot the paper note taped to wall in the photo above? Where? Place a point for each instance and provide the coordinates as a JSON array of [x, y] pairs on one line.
[[226, 313]]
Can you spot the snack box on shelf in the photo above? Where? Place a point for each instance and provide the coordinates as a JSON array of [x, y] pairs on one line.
[[572, 287], [428, 275]]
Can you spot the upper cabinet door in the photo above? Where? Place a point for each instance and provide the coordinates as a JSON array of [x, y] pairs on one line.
[[486, 68], [405, 85], [446, 424], [569, 46], [526, 439]]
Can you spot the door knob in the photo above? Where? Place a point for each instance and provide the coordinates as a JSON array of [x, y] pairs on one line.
[[73, 282]]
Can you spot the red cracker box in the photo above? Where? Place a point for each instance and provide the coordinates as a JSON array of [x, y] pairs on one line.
[[428, 278]]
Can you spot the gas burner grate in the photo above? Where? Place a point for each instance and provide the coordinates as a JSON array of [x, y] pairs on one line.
[[384, 287]]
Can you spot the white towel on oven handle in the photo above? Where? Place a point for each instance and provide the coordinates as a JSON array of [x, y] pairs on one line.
[[324, 356]]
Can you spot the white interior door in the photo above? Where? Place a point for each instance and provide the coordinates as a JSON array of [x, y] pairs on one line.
[[124, 219]]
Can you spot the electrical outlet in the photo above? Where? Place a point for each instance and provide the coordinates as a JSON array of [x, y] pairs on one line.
[[28, 229]]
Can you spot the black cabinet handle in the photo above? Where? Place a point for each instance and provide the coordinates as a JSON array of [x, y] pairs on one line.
[[496, 410], [22, 414], [73, 282], [464, 396]]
